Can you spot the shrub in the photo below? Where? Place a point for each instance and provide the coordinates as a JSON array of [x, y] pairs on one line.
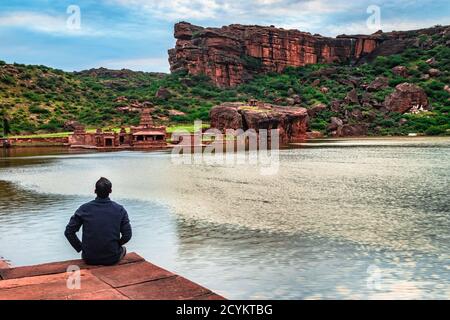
[[8, 79], [37, 109], [436, 130]]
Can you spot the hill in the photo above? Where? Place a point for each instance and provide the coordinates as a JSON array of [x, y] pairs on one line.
[[35, 99]]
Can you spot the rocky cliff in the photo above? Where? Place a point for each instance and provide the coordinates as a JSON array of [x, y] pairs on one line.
[[233, 54], [292, 122]]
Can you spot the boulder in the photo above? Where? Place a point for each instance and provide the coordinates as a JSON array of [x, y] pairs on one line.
[[401, 71], [324, 72], [433, 72], [316, 109], [290, 101], [121, 99], [378, 84], [292, 122], [336, 106], [431, 61], [71, 125], [297, 99], [324, 90], [405, 97], [163, 93], [447, 88], [335, 124], [225, 116], [173, 112], [352, 97], [315, 83], [349, 130], [357, 114]]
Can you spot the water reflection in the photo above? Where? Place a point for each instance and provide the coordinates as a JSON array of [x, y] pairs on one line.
[[369, 222]]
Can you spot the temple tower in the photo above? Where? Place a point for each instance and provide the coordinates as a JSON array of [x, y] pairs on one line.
[[146, 119]]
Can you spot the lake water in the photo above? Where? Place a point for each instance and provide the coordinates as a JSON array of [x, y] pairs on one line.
[[342, 219]]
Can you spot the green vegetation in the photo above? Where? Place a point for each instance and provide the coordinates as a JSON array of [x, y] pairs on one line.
[[40, 100]]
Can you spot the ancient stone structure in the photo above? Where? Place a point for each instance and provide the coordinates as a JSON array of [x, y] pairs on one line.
[[233, 54], [292, 122], [144, 136]]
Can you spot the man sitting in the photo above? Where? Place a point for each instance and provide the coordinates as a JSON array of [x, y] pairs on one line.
[[103, 221]]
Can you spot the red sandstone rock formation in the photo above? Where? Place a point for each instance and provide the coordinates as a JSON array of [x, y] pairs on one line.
[[231, 54], [292, 122], [405, 97]]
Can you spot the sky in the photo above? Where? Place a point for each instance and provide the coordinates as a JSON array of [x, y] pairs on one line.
[[136, 34]]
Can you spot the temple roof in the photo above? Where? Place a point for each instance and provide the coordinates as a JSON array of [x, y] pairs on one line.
[[149, 133]]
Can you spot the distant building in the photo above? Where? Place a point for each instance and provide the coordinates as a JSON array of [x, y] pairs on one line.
[[144, 136]]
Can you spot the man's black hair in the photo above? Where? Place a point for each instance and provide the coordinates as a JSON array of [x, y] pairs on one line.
[[103, 188]]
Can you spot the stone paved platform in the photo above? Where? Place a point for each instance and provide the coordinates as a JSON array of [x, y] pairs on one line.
[[133, 278]]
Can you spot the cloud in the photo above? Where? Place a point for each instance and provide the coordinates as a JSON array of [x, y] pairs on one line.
[[316, 16], [251, 10], [386, 25], [44, 23], [152, 64]]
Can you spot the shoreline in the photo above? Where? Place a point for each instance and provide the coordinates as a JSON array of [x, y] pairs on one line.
[[63, 142]]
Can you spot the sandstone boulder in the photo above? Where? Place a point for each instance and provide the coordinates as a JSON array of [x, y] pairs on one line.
[[312, 112], [433, 72], [349, 130], [315, 83], [357, 114], [297, 99], [225, 116], [431, 61], [173, 112], [447, 88], [378, 84], [292, 122], [352, 97], [335, 106], [335, 124], [71, 125], [163, 93], [405, 97], [324, 90], [401, 71], [290, 101]]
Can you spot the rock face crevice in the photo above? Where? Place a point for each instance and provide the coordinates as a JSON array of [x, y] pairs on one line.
[[233, 54]]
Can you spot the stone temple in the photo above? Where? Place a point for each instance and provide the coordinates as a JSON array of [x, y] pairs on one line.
[[144, 136]]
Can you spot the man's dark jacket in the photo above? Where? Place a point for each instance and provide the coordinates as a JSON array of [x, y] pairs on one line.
[[103, 222]]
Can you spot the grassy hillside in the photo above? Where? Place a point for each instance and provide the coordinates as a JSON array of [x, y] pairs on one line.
[[38, 99]]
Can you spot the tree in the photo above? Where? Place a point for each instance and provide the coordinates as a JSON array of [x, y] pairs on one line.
[[4, 119]]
